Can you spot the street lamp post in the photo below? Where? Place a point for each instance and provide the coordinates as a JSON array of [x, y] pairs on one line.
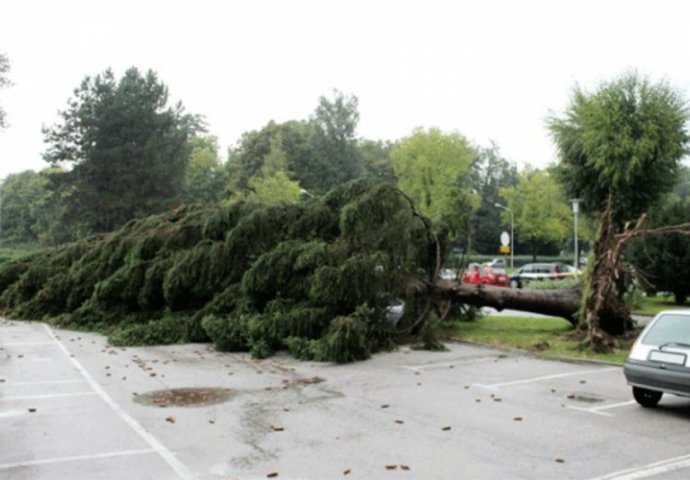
[[503, 207]]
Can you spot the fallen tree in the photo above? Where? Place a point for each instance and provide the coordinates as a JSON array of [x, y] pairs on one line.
[[315, 278], [558, 303]]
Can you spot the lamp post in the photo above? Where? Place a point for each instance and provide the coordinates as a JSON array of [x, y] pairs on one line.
[[576, 209], [503, 207]]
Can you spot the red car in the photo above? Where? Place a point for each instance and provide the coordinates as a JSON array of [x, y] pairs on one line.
[[478, 274]]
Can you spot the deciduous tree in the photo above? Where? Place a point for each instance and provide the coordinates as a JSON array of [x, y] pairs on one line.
[[206, 178], [619, 150], [540, 212], [434, 168]]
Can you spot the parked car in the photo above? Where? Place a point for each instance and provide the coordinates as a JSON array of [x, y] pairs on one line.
[[395, 311], [659, 362], [541, 271], [498, 265], [447, 274], [480, 274]]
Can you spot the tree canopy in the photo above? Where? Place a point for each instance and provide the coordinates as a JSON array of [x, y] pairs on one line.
[[127, 148], [434, 168], [660, 260], [540, 212], [206, 178], [625, 140], [619, 150], [21, 196], [313, 277], [335, 143]]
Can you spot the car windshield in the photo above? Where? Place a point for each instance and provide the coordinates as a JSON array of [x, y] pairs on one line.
[[669, 328]]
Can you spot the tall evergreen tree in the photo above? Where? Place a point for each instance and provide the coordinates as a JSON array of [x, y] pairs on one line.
[[127, 148]]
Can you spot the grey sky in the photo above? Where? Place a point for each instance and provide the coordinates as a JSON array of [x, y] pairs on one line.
[[488, 70]]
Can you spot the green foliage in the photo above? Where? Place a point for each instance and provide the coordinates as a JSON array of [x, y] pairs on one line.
[[376, 160], [313, 277], [336, 158], [540, 213], [205, 177], [290, 139], [434, 169], [128, 150], [661, 259], [490, 173], [228, 334], [195, 274], [22, 194], [164, 331], [346, 340], [626, 140], [429, 336]]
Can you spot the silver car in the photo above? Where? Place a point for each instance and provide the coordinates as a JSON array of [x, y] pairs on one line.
[[659, 360]]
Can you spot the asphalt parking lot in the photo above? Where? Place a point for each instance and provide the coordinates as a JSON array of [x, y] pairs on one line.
[[72, 407]]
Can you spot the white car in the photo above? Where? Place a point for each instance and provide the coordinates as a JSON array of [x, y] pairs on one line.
[[659, 360]]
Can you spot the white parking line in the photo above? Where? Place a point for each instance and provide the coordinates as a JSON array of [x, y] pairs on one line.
[[179, 468], [48, 461], [44, 382], [614, 405], [494, 386], [48, 395], [431, 366], [656, 468], [588, 410], [600, 409]]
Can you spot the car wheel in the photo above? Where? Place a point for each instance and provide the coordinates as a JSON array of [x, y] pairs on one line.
[[646, 398], [514, 284]]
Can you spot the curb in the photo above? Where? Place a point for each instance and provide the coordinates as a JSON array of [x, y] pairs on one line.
[[527, 353]]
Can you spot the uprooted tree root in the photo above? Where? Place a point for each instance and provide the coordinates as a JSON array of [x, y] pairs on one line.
[[605, 311]]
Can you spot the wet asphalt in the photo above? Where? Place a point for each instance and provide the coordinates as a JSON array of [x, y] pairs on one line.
[[73, 407]]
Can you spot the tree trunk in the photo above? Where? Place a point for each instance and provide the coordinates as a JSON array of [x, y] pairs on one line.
[[605, 310], [557, 303]]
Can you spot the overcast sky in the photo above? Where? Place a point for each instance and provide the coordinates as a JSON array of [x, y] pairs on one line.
[[486, 69]]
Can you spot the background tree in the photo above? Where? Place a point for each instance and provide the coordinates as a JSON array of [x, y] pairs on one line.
[[336, 158], [271, 184], [206, 177], [4, 82], [127, 148], [490, 173], [247, 158], [619, 150], [541, 214], [660, 260], [376, 159], [434, 169], [21, 197]]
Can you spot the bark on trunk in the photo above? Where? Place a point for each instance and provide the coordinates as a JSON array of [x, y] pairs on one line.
[[557, 303]]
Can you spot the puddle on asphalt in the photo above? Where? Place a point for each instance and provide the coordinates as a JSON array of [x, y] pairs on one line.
[[184, 397]]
